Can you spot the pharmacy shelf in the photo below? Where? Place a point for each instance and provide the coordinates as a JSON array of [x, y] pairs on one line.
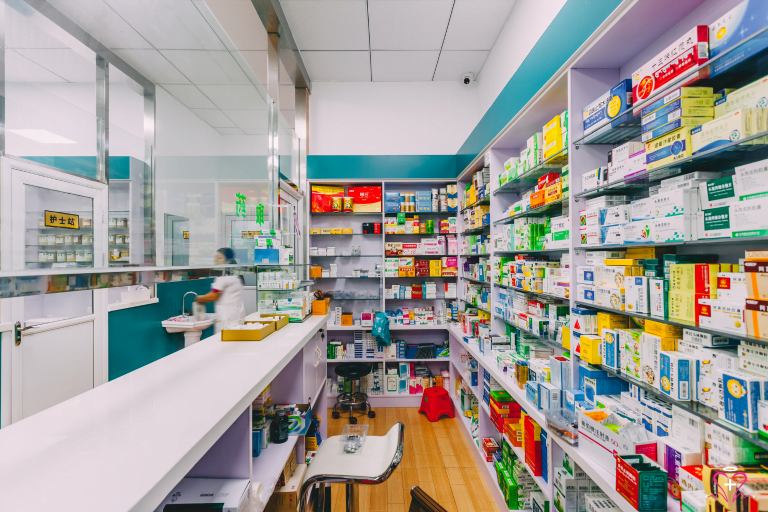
[[375, 298], [341, 256], [476, 231], [421, 256], [391, 328], [708, 414], [677, 323], [707, 241], [476, 390], [475, 255], [541, 294], [471, 279], [530, 178], [489, 364], [622, 129], [345, 234], [302, 284], [722, 158], [504, 254], [339, 214], [268, 466], [544, 487], [541, 211], [385, 395], [547, 340], [487, 468], [474, 306], [417, 234], [384, 360], [420, 298], [369, 278], [410, 215], [602, 477], [484, 200], [422, 278]]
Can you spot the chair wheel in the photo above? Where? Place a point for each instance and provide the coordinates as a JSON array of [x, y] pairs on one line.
[[335, 415], [371, 414], [353, 420]]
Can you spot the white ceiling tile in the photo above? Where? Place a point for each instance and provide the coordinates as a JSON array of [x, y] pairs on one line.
[[403, 66], [241, 22], [102, 22], [152, 65], [408, 24], [68, 64], [175, 25], [214, 117], [475, 24], [328, 25], [21, 69], [234, 96], [338, 66], [206, 67], [230, 131], [189, 95], [23, 29], [254, 122], [451, 65]]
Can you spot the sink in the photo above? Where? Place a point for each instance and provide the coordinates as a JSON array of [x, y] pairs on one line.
[[191, 328]]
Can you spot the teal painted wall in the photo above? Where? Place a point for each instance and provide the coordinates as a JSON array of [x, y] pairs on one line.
[[575, 22], [119, 166], [135, 335], [350, 167]]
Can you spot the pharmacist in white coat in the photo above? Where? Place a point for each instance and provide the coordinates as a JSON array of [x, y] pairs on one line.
[[227, 292]]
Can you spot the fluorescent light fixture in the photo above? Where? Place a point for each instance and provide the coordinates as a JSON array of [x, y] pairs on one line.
[[43, 136]]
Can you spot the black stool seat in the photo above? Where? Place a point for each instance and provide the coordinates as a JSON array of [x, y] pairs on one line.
[[353, 370]]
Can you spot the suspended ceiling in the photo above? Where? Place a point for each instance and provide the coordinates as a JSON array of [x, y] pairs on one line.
[[395, 40]]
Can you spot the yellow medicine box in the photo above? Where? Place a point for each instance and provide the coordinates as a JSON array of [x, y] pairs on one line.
[[553, 192], [435, 268], [590, 349], [611, 321], [661, 329], [682, 305], [624, 261], [668, 148]]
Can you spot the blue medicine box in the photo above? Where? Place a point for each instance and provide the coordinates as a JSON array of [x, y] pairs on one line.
[[424, 201], [607, 107], [487, 219], [266, 255], [532, 393], [256, 441]]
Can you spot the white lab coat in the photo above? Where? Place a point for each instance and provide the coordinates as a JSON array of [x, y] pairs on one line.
[[230, 305]]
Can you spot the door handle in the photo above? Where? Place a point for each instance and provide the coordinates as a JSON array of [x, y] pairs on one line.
[[17, 330]]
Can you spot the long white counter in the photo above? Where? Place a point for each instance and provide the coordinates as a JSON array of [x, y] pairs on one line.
[[125, 445]]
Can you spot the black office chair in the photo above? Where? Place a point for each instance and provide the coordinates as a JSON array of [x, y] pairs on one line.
[[352, 372]]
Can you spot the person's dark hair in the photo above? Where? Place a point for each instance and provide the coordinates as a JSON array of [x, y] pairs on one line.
[[228, 254]]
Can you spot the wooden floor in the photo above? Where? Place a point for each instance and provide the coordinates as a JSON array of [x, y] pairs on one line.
[[436, 458]]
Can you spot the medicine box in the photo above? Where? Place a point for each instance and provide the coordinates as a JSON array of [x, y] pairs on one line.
[[682, 107], [676, 202], [608, 106], [681, 122], [749, 218], [585, 293], [549, 396], [718, 192], [658, 293], [636, 294], [610, 297], [677, 375], [637, 232], [680, 228], [672, 97], [615, 215], [690, 50], [621, 153], [612, 235], [714, 223], [741, 392], [722, 315], [595, 178], [668, 148], [734, 126], [610, 349], [751, 180]]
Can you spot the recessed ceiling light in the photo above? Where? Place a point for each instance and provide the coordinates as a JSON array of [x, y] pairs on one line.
[[43, 136]]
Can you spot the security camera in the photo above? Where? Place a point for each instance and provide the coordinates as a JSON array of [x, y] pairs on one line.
[[467, 78]]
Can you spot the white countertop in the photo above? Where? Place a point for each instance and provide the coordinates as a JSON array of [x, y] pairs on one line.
[[125, 445]]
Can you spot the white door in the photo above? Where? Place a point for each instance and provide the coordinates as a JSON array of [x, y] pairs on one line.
[[59, 351]]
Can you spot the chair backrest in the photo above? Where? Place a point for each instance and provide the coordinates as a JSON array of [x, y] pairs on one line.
[[421, 502]]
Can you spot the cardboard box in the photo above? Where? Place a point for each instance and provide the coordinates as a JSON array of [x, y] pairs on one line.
[[610, 349], [681, 122], [638, 232], [595, 178], [603, 443], [667, 149], [658, 292], [680, 228], [676, 202], [714, 223], [608, 106], [668, 101], [610, 297], [756, 318], [689, 51], [718, 192], [741, 392], [751, 180], [677, 377], [636, 294], [725, 130]]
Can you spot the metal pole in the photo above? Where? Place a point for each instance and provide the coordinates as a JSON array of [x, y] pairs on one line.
[[273, 97]]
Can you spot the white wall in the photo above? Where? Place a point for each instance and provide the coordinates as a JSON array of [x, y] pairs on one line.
[[527, 22], [390, 118]]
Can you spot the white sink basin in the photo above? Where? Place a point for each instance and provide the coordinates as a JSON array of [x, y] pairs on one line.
[[186, 324]]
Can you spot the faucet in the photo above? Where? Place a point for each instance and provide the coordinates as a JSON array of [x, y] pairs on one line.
[[183, 312]]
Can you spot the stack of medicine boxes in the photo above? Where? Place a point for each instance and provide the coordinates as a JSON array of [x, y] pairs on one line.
[[556, 135]]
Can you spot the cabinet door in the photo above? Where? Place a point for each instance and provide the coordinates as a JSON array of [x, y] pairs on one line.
[[310, 369]]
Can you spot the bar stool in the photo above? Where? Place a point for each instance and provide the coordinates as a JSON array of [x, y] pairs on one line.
[[378, 458], [352, 372]]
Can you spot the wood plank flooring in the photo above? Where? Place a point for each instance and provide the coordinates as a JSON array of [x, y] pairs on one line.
[[436, 458]]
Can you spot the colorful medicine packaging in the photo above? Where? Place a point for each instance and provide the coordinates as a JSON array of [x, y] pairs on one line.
[[741, 392], [608, 106]]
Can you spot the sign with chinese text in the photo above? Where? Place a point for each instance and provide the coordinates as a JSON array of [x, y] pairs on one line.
[[61, 220]]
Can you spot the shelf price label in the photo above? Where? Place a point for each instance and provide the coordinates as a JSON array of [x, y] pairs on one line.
[[61, 220]]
